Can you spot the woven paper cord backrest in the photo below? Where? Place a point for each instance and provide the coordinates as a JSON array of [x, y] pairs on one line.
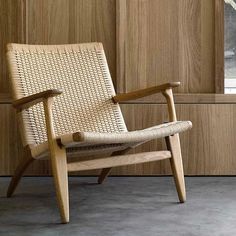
[[81, 72]]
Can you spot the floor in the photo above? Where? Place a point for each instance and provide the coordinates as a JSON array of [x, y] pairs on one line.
[[122, 206]]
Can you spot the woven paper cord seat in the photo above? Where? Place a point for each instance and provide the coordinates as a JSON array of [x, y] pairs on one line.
[[95, 142]]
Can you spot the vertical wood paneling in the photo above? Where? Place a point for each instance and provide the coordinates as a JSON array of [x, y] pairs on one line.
[[12, 29], [11, 149], [207, 59], [168, 41], [219, 46], [147, 44], [74, 21], [208, 149], [47, 21], [190, 43]]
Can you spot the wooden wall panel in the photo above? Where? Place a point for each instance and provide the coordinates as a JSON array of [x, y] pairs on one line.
[[74, 21], [219, 46], [208, 149], [12, 25], [169, 41], [47, 22], [11, 150]]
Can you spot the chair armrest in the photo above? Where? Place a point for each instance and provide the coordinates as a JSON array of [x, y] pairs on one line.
[[26, 102], [144, 92]]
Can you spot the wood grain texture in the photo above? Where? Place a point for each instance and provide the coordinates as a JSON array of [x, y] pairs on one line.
[[12, 25], [171, 40], [122, 160], [11, 148], [144, 92], [208, 149], [74, 21], [219, 46], [26, 102]]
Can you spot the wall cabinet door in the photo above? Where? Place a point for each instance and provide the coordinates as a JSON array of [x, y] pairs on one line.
[[166, 40]]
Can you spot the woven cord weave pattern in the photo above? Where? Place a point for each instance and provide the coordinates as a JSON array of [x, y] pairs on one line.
[[83, 76]]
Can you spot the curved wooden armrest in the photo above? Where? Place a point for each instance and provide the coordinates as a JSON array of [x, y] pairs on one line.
[[26, 102], [144, 92]]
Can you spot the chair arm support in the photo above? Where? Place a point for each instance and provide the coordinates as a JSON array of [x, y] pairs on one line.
[[144, 92], [168, 94], [26, 102]]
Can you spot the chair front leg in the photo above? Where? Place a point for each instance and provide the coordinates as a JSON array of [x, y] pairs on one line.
[[60, 175], [59, 164], [173, 145]]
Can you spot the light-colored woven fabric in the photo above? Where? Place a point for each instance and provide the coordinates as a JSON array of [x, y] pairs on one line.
[[81, 72], [41, 151], [154, 132], [92, 142]]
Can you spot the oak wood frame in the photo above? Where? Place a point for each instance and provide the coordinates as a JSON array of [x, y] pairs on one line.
[[29, 101], [172, 142], [144, 92], [60, 167], [219, 46]]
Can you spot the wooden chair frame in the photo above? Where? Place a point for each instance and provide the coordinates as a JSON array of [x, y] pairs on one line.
[[60, 167]]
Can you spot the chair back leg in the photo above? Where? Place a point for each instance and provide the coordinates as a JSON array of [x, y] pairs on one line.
[[173, 145], [105, 172], [22, 166]]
